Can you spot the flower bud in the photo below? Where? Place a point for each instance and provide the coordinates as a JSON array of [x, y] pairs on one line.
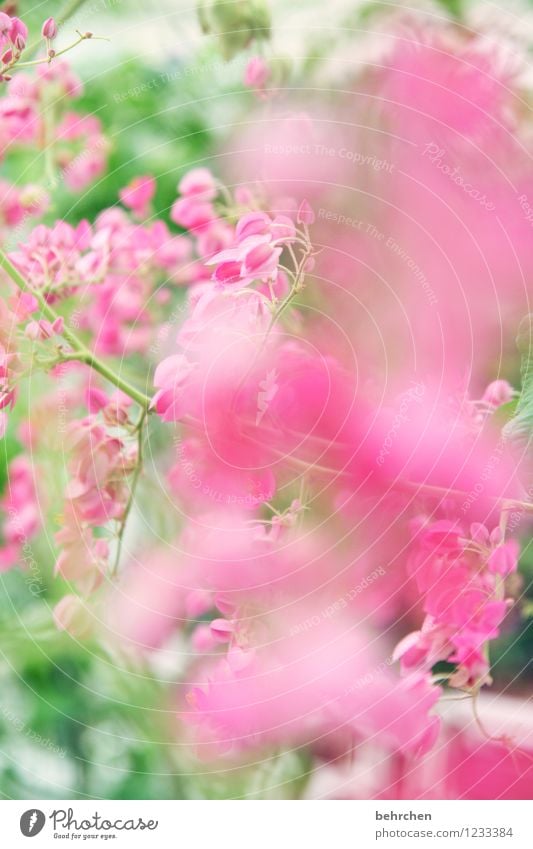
[[18, 34], [256, 73], [305, 213], [49, 29]]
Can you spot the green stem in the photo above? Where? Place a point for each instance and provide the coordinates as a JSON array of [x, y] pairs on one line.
[[80, 352], [295, 288], [133, 487], [62, 17], [48, 59]]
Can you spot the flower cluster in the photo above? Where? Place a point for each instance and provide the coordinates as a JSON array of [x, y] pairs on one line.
[[102, 458], [36, 106], [461, 578], [113, 267], [21, 509], [223, 381], [13, 37], [257, 408], [319, 505], [17, 206], [9, 362], [13, 42]]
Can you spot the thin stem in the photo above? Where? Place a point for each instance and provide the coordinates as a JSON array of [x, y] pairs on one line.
[[88, 358], [46, 60], [68, 10], [295, 289], [80, 352], [134, 481], [48, 123]]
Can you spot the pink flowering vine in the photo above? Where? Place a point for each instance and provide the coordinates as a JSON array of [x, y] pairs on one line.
[[342, 552]]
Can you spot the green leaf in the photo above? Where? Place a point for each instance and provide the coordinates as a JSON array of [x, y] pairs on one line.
[[519, 429], [504, 413]]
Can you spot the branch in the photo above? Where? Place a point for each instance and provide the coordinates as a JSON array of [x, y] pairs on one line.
[[80, 352]]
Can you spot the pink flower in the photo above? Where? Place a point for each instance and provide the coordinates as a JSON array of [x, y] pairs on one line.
[[305, 213], [223, 458], [59, 78], [20, 507], [7, 391], [255, 257], [198, 183], [293, 688], [461, 598], [498, 392], [192, 213], [44, 329], [150, 604], [504, 558], [222, 630], [11, 208], [99, 466], [12, 31], [138, 195], [49, 29], [256, 73], [252, 224], [82, 558], [171, 377]]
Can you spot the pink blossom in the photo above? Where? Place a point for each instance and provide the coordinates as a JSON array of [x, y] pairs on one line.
[[49, 29], [44, 329], [11, 208], [504, 558], [252, 224], [21, 508], [461, 598], [256, 73], [192, 213], [198, 183], [150, 604], [254, 257], [58, 76], [97, 490], [222, 459], [82, 558], [138, 195], [498, 392], [293, 688], [222, 630], [305, 213], [12, 31]]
